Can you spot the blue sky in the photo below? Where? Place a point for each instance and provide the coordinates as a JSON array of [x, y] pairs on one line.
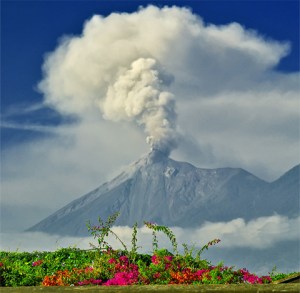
[[231, 111]]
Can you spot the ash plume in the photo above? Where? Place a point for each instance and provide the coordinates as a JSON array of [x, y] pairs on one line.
[[116, 65], [102, 69], [138, 95]]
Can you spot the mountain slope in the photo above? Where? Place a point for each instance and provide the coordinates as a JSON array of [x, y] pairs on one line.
[[159, 189], [284, 193]]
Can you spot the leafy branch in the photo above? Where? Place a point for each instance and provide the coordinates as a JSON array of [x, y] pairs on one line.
[[167, 231], [103, 230]]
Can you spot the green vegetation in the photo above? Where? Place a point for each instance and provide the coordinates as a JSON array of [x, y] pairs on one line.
[[104, 266]]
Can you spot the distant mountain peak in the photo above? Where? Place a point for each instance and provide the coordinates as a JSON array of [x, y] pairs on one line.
[[159, 189]]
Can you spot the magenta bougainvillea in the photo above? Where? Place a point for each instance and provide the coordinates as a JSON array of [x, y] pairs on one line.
[[161, 269]]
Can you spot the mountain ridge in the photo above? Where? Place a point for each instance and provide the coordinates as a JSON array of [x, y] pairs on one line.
[[159, 189]]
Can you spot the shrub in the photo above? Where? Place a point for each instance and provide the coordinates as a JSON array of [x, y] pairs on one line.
[[29, 269], [105, 266]]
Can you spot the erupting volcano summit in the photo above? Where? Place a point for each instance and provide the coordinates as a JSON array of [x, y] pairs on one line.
[[159, 189]]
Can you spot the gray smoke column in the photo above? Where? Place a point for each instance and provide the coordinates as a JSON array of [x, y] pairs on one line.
[[139, 95], [116, 66]]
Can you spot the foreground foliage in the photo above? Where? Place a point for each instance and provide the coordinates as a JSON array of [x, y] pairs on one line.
[[70, 266], [105, 266]]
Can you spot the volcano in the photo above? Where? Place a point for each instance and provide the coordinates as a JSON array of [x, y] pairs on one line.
[[158, 189]]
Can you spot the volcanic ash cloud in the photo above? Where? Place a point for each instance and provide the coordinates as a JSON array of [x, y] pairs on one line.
[[118, 64], [138, 95], [101, 69]]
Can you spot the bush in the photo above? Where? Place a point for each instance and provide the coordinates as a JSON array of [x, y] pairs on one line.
[[105, 266], [29, 269]]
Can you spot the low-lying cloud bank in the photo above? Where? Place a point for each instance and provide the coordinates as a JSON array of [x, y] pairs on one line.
[[259, 245], [261, 233]]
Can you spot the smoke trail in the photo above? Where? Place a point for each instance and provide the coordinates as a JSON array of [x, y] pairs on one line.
[[138, 95]]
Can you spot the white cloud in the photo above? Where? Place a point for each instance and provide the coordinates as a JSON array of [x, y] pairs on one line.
[[79, 72], [260, 233], [53, 171], [236, 37], [233, 108], [31, 127], [257, 130]]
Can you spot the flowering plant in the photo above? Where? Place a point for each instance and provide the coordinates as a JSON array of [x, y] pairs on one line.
[[105, 266], [76, 277]]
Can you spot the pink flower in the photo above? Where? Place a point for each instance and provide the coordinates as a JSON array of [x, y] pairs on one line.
[[201, 272], [112, 260], [124, 259], [169, 258], [157, 275], [96, 282], [155, 259], [266, 279], [89, 281], [88, 269], [37, 263], [213, 242], [123, 278], [253, 279]]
